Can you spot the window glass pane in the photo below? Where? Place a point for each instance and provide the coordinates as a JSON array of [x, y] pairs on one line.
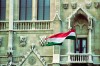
[[29, 14], [2, 15], [3, 3], [23, 3], [81, 45], [25, 9], [40, 10], [29, 3], [47, 14], [22, 9], [77, 46], [22, 14], [47, 3], [29, 10], [2, 9], [84, 46], [47, 10]]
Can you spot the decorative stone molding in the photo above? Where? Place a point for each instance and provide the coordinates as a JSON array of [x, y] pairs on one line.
[[96, 4], [74, 5], [38, 55], [1, 41], [9, 54], [23, 41], [88, 5], [24, 57], [65, 5], [89, 27]]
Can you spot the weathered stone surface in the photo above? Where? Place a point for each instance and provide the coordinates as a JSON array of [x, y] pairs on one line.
[[79, 12]]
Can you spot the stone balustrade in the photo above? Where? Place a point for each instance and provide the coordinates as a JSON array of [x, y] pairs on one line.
[[4, 25], [36, 25], [27, 25], [79, 57]]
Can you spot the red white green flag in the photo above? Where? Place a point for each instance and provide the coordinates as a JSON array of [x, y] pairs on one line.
[[57, 39]]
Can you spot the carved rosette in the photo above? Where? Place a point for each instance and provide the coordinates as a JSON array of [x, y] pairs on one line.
[[23, 41], [31, 60]]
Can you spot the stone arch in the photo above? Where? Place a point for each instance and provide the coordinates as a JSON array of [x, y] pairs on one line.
[[81, 20], [80, 23], [79, 13]]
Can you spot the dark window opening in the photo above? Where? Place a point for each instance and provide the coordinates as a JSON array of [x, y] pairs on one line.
[[81, 45], [2, 9]]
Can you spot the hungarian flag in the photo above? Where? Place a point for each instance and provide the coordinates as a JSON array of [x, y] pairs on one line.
[[57, 39]]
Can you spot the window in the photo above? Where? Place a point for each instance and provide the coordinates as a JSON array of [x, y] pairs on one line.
[[43, 10], [2, 9], [81, 45], [25, 10]]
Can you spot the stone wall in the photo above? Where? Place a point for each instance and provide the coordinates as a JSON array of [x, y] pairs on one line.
[[22, 40]]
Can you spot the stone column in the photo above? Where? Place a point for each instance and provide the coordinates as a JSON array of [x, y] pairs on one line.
[[89, 40], [56, 48], [10, 37], [11, 15], [34, 9], [56, 55], [68, 44], [89, 50]]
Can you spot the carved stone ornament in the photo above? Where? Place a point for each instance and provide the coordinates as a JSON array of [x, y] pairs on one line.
[[9, 54], [74, 5], [96, 4], [65, 5], [42, 40], [1, 41], [31, 60], [88, 5], [23, 41]]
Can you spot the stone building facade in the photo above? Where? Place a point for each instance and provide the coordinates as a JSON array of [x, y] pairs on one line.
[[25, 23]]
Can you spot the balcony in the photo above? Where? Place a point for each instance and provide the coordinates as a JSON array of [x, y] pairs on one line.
[[75, 58], [79, 58], [84, 58]]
